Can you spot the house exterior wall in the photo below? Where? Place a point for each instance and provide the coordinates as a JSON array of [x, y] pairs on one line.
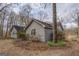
[[40, 33], [14, 33], [48, 33]]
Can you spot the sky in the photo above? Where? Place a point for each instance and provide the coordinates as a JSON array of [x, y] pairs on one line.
[[64, 11]]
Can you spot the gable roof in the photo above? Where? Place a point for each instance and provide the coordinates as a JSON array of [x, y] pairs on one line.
[[18, 28], [41, 23], [44, 24]]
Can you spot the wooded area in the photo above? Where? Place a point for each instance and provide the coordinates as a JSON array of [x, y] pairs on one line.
[[28, 26]]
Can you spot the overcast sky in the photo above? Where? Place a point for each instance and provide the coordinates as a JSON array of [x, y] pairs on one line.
[[64, 10]]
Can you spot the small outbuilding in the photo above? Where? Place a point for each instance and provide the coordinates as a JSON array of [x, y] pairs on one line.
[[41, 30], [14, 31]]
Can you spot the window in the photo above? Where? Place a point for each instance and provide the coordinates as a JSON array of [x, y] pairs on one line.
[[14, 33], [33, 32]]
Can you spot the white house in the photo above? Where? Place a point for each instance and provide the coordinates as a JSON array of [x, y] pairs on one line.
[[36, 28], [15, 29], [41, 30]]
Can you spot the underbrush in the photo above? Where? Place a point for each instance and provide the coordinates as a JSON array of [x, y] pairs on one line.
[[31, 45]]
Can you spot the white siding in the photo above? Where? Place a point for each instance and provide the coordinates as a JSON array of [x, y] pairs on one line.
[[40, 33], [14, 33]]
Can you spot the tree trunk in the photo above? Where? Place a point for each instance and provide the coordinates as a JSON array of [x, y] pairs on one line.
[[54, 23], [78, 27], [6, 30], [3, 17], [2, 28], [28, 19]]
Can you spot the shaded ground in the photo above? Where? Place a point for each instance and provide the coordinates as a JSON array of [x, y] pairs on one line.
[[24, 48]]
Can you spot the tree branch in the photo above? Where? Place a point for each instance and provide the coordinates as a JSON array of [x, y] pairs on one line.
[[4, 7]]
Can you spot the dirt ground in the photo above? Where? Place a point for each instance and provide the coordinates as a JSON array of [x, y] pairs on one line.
[[25, 48]]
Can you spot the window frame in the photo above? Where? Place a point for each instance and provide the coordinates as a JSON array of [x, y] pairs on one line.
[[33, 32]]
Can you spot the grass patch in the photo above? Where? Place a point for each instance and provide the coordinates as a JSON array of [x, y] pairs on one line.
[[60, 43]]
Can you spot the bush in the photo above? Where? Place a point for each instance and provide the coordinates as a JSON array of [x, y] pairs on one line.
[[22, 35], [60, 35], [27, 36], [50, 43], [34, 39], [59, 43]]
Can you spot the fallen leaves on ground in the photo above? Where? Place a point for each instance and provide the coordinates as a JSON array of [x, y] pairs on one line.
[[24, 48]]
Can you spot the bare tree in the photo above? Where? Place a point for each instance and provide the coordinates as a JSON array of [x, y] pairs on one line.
[[26, 12], [10, 22], [13, 19], [54, 23], [45, 5], [22, 19], [3, 12], [42, 15], [54, 28], [75, 16], [3, 6]]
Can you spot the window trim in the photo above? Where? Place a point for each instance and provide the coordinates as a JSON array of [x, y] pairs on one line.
[[33, 32]]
